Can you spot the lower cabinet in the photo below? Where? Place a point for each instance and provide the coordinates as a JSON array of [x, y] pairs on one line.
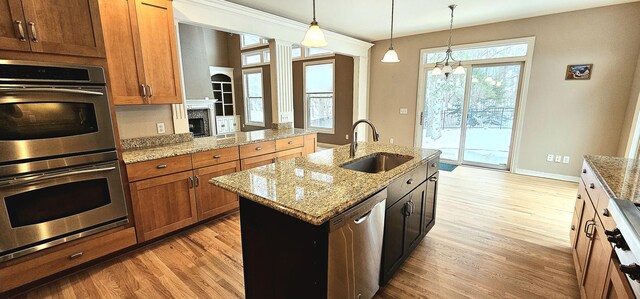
[[403, 230], [258, 161], [617, 286], [290, 154], [212, 200], [163, 204], [597, 266]]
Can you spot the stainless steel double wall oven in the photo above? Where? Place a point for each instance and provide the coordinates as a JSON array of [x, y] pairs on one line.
[[59, 173]]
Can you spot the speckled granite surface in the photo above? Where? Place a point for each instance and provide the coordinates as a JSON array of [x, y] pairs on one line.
[[151, 141], [207, 143], [315, 188], [619, 176]]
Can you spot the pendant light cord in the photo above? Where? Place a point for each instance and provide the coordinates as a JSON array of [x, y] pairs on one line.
[[392, 9], [314, 11], [453, 6]]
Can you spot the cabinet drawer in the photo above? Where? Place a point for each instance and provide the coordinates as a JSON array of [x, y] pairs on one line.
[[289, 154], [258, 161], [154, 168], [53, 261], [433, 166], [404, 184], [257, 149], [214, 157], [592, 185], [602, 209], [287, 143]]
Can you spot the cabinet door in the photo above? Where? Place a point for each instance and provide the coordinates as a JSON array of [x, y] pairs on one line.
[[393, 244], [68, 27], [122, 45], [13, 27], [429, 211], [258, 161], [163, 204], [413, 227], [290, 154], [310, 144], [595, 274], [583, 242], [159, 52], [212, 200], [617, 286]]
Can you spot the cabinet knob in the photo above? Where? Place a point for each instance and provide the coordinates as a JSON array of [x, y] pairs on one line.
[[592, 186], [573, 227], [76, 255], [584, 170], [217, 156], [605, 212], [433, 165], [161, 166], [579, 196], [410, 181], [258, 148], [290, 142], [433, 179]]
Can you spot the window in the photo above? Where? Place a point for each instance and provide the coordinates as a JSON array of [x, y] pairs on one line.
[[317, 52], [253, 98], [319, 96], [256, 57], [296, 51], [250, 41], [481, 53]]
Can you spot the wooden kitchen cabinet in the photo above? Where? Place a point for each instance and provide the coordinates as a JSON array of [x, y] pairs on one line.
[[617, 286], [257, 161], [597, 265], [290, 154], [141, 51], [583, 242], [13, 27], [212, 200], [69, 27], [163, 204], [310, 144]]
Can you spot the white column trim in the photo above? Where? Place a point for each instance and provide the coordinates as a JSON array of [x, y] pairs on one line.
[[281, 81]]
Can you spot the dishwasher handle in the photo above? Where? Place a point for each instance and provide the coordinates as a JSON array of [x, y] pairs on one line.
[[362, 218]]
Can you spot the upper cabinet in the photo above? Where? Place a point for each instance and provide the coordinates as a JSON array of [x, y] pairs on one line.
[[69, 27], [140, 42]]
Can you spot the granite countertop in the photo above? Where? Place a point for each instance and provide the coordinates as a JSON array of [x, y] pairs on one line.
[[619, 176], [315, 188], [190, 145]]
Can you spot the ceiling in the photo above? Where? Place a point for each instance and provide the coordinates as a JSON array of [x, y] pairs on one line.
[[369, 20]]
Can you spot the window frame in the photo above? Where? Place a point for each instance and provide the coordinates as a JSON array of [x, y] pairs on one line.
[[305, 100], [247, 121], [260, 52], [263, 42]]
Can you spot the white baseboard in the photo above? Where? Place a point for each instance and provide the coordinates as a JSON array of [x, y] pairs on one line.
[[548, 175]]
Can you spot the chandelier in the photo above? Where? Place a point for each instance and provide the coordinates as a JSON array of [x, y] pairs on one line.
[[446, 65]]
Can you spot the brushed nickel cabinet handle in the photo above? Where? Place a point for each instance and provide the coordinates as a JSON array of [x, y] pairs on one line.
[[161, 166], [258, 148], [144, 90], [197, 180], [34, 34], [21, 31], [76, 255], [191, 183], [217, 156], [150, 90], [290, 142]]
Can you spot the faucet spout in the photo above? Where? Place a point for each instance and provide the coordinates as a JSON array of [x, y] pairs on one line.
[[354, 143]]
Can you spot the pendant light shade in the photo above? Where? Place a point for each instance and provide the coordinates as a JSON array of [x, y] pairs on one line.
[[314, 37], [391, 55]]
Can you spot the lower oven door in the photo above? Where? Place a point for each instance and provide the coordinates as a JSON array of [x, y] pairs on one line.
[[42, 210]]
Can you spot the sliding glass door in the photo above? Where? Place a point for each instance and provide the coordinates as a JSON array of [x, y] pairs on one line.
[[470, 117]]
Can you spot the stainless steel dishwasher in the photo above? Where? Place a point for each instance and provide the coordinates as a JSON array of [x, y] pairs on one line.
[[355, 249]]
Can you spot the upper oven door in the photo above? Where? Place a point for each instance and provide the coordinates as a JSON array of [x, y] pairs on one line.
[[44, 121], [56, 204]]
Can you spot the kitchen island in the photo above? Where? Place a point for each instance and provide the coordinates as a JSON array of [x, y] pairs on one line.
[[287, 208]]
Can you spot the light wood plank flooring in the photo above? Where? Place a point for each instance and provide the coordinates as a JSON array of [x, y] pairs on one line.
[[497, 235]]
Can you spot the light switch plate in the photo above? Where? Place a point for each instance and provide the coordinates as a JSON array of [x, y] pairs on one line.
[[404, 111], [391, 140], [160, 127]]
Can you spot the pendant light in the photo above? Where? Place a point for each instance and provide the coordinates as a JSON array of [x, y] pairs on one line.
[[391, 55], [314, 37], [444, 66]]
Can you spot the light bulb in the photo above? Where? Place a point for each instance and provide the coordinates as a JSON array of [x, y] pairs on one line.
[[314, 37], [447, 69], [492, 83], [488, 79], [499, 84], [436, 71], [459, 70], [390, 56], [474, 80]]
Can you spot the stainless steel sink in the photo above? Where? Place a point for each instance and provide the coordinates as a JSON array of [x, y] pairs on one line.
[[376, 163]]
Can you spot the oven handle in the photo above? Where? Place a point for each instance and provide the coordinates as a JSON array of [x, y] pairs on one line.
[[51, 89], [38, 178]]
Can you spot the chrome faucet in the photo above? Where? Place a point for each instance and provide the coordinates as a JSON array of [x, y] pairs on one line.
[[354, 143]]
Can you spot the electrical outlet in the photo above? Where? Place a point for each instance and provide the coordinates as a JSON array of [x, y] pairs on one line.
[[346, 136], [160, 127], [404, 111], [565, 159], [558, 158], [550, 158], [391, 140]]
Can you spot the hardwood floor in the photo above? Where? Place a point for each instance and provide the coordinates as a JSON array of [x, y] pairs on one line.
[[497, 235]]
